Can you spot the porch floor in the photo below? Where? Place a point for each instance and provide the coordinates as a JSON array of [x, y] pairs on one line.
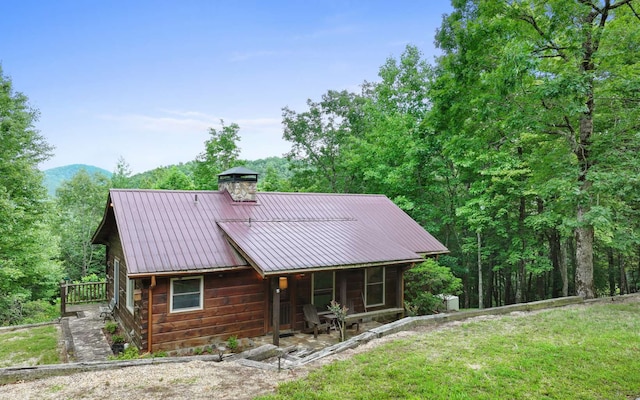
[[306, 340]]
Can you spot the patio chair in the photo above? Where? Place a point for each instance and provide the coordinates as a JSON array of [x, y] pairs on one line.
[[313, 320]]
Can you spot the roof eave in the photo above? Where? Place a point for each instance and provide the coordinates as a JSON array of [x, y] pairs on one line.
[[188, 272], [341, 267]]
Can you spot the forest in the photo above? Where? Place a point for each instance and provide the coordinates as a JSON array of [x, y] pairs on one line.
[[516, 148]]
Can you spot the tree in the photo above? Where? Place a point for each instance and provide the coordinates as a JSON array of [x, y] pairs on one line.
[[424, 282], [221, 153], [533, 75], [121, 177], [27, 246], [321, 138], [174, 179], [80, 203]]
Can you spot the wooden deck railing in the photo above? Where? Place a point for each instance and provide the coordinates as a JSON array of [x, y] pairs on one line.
[[81, 293]]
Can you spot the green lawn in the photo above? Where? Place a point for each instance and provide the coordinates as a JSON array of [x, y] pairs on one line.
[[30, 346], [575, 353]]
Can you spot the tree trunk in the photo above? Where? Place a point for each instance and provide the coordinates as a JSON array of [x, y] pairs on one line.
[[564, 265], [508, 291], [612, 276], [584, 258], [522, 278], [480, 297], [555, 253], [624, 288]]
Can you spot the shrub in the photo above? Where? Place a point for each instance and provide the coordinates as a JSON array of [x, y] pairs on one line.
[[117, 339], [424, 282], [232, 343], [111, 327], [17, 310], [130, 353]]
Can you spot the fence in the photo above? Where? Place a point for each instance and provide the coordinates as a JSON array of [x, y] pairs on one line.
[[81, 293]]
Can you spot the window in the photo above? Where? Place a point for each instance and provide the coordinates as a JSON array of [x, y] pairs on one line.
[[374, 286], [322, 289], [131, 285], [186, 294]]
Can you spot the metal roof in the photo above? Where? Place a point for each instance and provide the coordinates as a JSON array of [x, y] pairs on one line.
[[192, 231], [277, 246]]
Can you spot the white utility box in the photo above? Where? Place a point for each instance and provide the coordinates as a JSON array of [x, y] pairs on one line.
[[451, 302]]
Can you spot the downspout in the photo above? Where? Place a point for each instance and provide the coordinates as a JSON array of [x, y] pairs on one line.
[[150, 315]]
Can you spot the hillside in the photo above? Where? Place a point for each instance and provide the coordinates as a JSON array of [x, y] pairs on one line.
[[54, 177]]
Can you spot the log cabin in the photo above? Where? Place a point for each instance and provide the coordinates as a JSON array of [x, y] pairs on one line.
[[193, 268]]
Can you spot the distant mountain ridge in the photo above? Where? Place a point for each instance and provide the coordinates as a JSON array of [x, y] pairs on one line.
[[54, 177]]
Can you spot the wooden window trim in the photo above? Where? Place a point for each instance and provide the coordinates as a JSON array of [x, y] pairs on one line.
[[181, 310], [131, 285], [333, 287]]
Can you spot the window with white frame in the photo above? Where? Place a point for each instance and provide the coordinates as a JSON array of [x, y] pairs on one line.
[[374, 286], [322, 289], [186, 294], [131, 285]]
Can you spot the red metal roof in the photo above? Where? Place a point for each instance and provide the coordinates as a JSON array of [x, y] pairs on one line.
[[169, 231], [276, 246]]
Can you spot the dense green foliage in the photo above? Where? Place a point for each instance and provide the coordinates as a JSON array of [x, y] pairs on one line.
[[80, 203], [27, 246], [424, 282]]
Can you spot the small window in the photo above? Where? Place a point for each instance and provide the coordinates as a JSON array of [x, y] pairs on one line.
[[131, 285], [323, 284], [186, 294], [374, 286]]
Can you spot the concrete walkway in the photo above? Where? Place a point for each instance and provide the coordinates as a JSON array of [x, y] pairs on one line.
[[83, 336]]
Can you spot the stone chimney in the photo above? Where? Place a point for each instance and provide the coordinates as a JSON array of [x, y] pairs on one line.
[[240, 182]]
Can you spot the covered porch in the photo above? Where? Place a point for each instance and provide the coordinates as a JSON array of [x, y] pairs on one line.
[[371, 294]]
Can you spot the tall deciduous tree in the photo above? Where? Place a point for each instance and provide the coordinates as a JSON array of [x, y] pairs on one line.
[[221, 153], [27, 246], [322, 138], [80, 203]]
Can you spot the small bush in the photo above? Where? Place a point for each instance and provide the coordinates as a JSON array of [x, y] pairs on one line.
[[111, 327], [117, 339], [232, 343], [424, 282], [130, 353]]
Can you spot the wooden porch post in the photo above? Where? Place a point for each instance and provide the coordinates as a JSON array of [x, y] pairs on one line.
[[63, 299], [399, 287], [276, 317]]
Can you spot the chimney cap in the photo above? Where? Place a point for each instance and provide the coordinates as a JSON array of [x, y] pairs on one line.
[[238, 171]]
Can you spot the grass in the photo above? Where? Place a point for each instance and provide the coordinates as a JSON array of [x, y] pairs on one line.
[[30, 346], [573, 353]]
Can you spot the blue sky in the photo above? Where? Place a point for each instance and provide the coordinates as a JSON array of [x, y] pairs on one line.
[[146, 79]]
